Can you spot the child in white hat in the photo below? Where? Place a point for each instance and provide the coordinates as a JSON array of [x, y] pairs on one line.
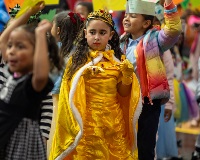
[[144, 45]]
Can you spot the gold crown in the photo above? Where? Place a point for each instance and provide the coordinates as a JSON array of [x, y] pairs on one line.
[[103, 15]]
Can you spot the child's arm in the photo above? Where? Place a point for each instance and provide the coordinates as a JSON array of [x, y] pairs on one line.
[[169, 66], [172, 29], [14, 24], [41, 65]]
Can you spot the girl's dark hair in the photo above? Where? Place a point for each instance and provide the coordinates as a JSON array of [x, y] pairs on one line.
[[148, 17], [69, 29], [55, 60], [88, 5], [81, 54], [128, 35]]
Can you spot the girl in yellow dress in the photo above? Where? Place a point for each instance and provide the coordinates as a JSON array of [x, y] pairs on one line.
[[100, 99]]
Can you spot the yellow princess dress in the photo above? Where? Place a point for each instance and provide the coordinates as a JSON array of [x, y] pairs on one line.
[[94, 122]]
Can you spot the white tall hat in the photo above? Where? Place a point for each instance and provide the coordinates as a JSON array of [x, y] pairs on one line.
[[140, 7]]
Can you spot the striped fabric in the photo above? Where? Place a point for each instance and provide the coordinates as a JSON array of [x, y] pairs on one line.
[[46, 115], [2, 77]]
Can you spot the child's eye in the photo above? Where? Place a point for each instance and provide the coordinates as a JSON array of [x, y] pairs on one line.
[[9, 45], [20, 46], [92, 32], [103, 32], [133, 15]]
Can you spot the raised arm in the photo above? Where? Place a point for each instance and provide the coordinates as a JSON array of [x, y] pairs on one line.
[[172, 29], [41, 65], [14, 24]]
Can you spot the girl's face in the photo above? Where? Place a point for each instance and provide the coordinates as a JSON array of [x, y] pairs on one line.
[[55, 31], [135, 24], [82, 10], [20, 52], [98, 33]]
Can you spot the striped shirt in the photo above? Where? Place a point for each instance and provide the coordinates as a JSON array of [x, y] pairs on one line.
[[46, 105]]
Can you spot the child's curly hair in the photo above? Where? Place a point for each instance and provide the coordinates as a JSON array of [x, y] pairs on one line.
[[81, 54]]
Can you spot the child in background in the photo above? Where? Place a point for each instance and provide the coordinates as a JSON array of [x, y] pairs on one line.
[[144, 47], [83, 8], [99, 100], [165, 147], [26, 50], [66, 26], [196, 153], [47, 102]]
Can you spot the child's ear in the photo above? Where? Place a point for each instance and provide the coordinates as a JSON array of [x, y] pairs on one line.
[[111, 35], [58, 30], [85, 33], [147, 23]]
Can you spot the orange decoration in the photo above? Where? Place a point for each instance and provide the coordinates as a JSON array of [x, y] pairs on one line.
[[12, 3], [177, 1]]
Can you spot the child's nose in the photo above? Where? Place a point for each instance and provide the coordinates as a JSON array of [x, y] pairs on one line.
[[97, 37], [11, 51]]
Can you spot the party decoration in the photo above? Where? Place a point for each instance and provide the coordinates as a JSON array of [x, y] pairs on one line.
[[195, 3], [51, 2], [27, 5], [13, 11], [31, 3], [114, 5], [191, 4], [12, 3], [49, 16], [177, 1], [34, 18]]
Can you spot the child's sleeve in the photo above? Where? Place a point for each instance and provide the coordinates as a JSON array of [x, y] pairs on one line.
[[169, 66], [169, 35], [46, 115]]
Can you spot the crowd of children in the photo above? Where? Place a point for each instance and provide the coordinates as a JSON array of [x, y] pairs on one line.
[[74, 88]]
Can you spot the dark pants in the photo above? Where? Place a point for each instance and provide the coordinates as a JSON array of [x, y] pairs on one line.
[[147, 130]]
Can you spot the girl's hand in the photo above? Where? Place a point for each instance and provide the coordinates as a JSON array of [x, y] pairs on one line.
[[43, 27], [126, 67], [167, 114]]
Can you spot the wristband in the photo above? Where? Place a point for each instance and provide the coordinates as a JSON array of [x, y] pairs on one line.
[[173, 10]]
